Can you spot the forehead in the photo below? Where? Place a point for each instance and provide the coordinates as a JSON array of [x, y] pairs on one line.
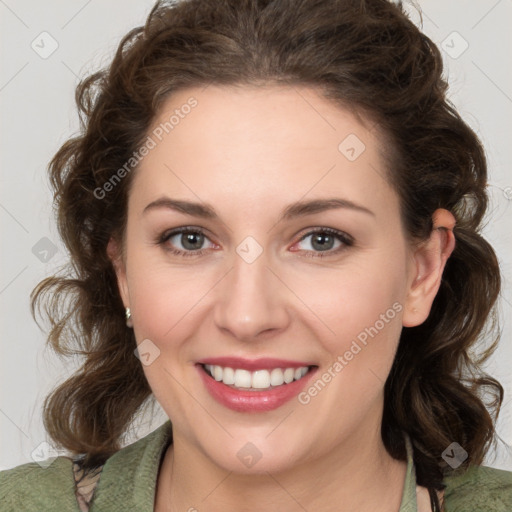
[[256, 115], [260, 141]]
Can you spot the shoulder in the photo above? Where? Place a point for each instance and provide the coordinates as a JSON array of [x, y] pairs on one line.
[[26, 487], [127, 477], [479, 488]]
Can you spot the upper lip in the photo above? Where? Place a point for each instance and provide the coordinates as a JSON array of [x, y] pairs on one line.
[[264, 363]]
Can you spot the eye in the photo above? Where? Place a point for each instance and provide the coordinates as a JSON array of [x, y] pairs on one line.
[[323, 240], [191, 239]]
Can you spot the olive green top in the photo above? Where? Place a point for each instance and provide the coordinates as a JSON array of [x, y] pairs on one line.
[[127, 482]]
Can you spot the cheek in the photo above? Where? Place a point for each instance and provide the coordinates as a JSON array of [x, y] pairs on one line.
[[163, 298], [361, 315], [166, 310], [357, 302], [360, 309]]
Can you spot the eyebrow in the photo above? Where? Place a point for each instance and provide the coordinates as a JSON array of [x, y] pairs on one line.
[[297, 209]]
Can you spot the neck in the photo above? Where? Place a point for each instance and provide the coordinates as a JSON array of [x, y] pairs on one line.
[[358, 474]]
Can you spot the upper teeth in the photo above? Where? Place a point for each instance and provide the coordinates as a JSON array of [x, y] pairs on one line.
[[259, 379]]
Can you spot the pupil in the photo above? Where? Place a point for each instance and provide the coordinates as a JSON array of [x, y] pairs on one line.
[[322, 238], [189, 238]]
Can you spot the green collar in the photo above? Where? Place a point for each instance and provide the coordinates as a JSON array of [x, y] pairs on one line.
[[408, 503], [128, 479]]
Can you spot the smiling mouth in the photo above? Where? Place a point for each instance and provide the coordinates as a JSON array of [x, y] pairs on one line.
[[258, 380]]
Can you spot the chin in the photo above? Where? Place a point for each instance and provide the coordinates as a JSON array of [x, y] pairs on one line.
[[253, 455]]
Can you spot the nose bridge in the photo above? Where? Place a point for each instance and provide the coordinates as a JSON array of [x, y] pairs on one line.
[[251, 300]]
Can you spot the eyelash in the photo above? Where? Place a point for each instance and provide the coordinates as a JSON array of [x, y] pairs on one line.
[[346, 240]]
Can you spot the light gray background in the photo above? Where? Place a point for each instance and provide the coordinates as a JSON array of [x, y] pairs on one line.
[[37, 114]]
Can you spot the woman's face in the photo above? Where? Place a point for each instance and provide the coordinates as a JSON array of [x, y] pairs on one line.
[[253, 283]]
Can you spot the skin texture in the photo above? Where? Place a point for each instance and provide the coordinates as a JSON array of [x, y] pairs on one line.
[[249, 153]]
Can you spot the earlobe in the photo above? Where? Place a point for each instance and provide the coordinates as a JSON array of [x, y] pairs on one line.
[[115, 255], [430, 261]]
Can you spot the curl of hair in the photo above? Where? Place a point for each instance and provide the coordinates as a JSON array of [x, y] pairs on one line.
[[364, 55]]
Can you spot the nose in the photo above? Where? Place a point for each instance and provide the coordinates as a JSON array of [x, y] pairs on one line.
[[252, 301]]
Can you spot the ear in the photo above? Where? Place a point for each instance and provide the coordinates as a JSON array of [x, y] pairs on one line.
[[429, 262], [115, 254]]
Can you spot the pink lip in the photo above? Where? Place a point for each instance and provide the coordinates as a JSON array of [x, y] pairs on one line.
[[253, 401], [265, 363]]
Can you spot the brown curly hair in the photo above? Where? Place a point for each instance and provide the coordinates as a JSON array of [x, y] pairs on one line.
[[366, 55]]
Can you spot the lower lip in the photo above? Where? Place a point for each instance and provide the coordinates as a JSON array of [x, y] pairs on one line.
[[253, 401]]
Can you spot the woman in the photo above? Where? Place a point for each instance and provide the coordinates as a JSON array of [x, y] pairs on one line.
[[273, 216]]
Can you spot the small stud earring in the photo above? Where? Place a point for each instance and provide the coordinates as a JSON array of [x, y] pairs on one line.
[[129, 321]]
